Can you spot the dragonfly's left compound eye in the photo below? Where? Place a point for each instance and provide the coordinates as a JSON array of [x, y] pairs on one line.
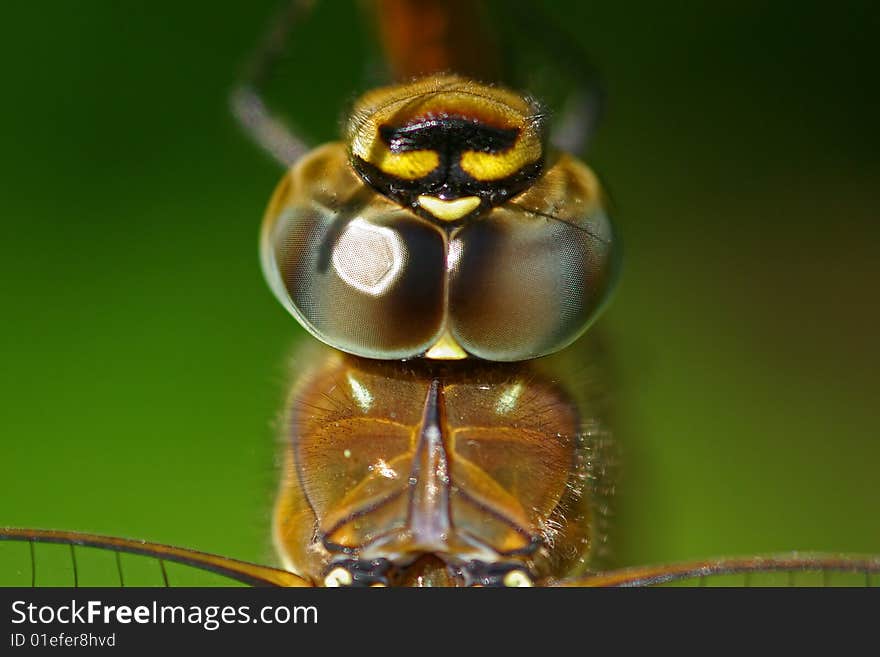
[[358, 271]]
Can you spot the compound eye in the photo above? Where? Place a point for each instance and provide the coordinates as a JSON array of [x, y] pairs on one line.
[[529, 278], [369, 281], [361, 274], [369, 277]]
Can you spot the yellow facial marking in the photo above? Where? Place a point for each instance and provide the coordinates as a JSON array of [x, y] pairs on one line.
[[496, 166], [446, 348], [410, 165], [449, 210], [438, 96]]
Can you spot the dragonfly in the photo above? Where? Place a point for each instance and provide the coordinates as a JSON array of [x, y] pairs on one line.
[[452, 255]]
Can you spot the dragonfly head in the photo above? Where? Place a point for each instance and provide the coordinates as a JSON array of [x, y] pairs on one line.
[[446, 146]]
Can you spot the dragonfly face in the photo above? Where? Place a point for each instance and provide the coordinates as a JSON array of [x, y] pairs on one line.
[[447, 147], [459, 474], [442, 227]]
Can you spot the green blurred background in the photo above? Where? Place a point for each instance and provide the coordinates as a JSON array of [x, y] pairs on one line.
[[144, 359]]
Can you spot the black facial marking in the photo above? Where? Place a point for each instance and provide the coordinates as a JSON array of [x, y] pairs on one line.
[[447, 185], [448, 136]]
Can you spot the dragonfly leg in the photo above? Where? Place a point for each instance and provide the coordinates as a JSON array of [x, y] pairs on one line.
[[246, 100]]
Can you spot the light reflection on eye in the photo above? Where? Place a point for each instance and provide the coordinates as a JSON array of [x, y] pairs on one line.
[[367, 257], [453, 255]]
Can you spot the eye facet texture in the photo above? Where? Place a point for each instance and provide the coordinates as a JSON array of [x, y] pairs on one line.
[[358, 271]]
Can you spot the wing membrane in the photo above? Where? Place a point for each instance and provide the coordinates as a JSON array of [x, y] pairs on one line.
[[795, 569], [59, 558], [80, 559]]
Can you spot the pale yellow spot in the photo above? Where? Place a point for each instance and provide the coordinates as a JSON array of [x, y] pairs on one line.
[[338, 577], [346, 453], [449, 210], [446, 348], [517, 578]]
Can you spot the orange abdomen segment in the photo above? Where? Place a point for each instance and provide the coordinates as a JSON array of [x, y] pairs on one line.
[[420, 37]]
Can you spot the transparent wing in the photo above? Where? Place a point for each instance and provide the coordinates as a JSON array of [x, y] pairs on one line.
[[796, 569], [37, 557]]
